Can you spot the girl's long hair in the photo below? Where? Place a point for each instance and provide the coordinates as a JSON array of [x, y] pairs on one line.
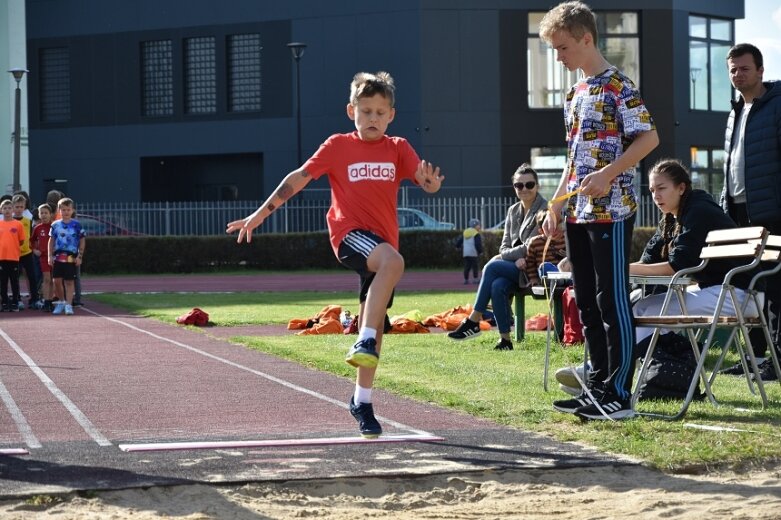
[[669, 225]]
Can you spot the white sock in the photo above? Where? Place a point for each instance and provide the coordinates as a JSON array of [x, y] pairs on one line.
[[362, 395], [367, 333]]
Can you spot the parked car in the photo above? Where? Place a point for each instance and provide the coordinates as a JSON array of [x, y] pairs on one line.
[[96, 226], [411, 219]]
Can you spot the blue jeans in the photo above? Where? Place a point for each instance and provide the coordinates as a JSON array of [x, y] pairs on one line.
[[500, 279]]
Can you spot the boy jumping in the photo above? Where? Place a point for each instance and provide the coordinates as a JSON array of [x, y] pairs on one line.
[[364, 169]]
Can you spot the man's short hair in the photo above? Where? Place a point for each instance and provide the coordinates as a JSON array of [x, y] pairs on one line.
[[576, 18], [365, 84], [6, 202], [19, 198], [46, 207], [65, 201], [742, 49]]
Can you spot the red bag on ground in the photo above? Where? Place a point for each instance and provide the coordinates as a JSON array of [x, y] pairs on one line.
[[194, 317], [537, 322], [573, 328]]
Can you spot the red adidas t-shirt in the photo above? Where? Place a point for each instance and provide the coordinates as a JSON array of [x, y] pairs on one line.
[[365, 178]]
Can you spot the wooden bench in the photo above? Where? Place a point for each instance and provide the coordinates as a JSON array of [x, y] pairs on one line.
[[538, 293]]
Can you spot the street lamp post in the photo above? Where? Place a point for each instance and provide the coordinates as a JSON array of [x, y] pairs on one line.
[[18, 74], [694, 73], [297, 49]]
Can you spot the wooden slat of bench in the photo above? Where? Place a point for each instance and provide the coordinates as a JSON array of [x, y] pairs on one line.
[[681, 319], [730, 251], [735, 234]]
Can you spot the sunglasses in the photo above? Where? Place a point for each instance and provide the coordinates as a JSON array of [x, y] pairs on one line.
[[528, 185]]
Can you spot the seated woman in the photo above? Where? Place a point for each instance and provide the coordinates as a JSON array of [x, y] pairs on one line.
[[688, 216], [506, 272]]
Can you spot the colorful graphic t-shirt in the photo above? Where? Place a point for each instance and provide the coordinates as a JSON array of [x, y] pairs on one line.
[[603, 115], [66, 236], [364, 178], [11, 236]]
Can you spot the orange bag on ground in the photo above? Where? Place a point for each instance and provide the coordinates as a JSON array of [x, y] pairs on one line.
[[324, 326], [537, 322], [328, 312], [451, 319], [407, 326]]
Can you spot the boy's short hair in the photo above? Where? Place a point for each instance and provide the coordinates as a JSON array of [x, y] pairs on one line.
[[65, 201], [19, 198], [366, 84], [576, 18], [741, 49], [44, 206], [6, 202]]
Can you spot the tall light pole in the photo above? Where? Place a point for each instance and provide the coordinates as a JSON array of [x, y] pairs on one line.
[[297, 49], [694, 73], [18, 74]]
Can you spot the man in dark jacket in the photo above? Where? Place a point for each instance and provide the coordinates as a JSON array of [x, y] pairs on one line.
[[752, 169]]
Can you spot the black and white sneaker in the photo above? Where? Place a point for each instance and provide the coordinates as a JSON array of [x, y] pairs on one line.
[[504, 344], [577, 402], [467, 330], [612, 407], [766, 370]]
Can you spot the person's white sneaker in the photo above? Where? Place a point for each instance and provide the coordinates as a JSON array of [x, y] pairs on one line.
[[69, 310], [59, 308]]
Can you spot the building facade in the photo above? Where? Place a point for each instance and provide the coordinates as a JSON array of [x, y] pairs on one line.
[[179, 100]]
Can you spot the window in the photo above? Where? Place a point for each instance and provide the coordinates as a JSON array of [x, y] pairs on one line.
[[709, 41], [548, 81], [707, 170], [200, 75], [549, 163], [244, 73], [55, 88], [157, 78]]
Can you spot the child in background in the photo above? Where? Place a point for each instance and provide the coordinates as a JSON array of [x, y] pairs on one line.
[[66, 250], [472, 248], [11, 238], [27, 259], [40, 246]]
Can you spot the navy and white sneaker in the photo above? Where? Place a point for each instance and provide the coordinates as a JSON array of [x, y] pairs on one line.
[[363, 354], [608, 407], [468, 329], [364, 413]]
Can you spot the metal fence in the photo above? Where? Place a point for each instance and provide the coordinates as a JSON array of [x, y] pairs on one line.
[[301, 214]]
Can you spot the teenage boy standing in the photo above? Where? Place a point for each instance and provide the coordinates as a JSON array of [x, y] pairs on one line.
[[608, 131]]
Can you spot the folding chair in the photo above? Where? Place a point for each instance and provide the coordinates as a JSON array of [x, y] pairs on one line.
[[747, 244], [771, 264]]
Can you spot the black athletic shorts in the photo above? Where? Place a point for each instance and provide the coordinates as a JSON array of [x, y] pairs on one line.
[[355, 248]]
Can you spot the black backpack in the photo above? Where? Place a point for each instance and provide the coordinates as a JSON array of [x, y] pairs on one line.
[[671, 369]]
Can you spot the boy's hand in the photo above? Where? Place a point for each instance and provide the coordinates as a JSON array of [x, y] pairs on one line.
[[428, 177], [245, 226], [597, 184]]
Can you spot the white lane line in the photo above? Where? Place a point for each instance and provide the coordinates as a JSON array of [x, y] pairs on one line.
[[14, 451], [277, 380], [21, 423], [221, 445], [77, 414]]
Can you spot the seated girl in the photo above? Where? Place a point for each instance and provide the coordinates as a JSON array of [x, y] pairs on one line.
[[688, 216]]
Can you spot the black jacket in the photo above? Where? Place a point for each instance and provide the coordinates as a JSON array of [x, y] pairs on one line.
[[699, 216]]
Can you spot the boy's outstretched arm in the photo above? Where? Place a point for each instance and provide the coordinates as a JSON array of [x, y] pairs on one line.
[[294, 182], [428, 177]]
